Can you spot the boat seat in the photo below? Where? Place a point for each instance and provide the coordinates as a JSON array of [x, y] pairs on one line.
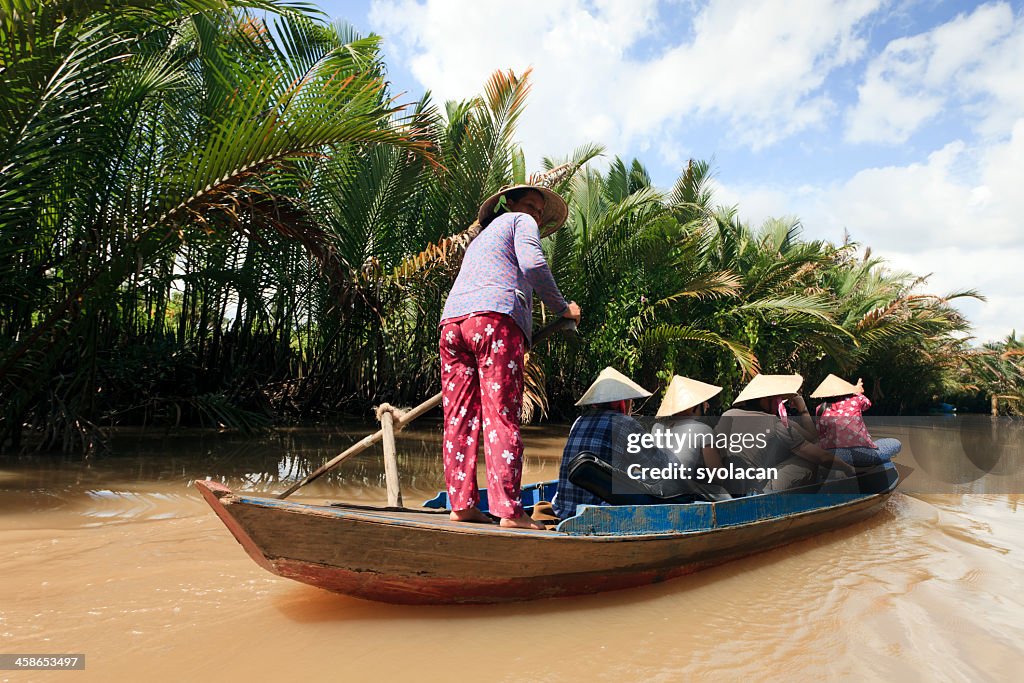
[[615, 487]]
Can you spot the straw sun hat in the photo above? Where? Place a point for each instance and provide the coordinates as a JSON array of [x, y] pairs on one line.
[[836, 386], [684, 393], [763, 386], [555, 209], [612, 385]]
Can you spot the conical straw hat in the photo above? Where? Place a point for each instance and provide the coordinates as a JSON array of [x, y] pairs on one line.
[[835, 386], [763, 386], [612, 385], [684, 393], [555, 208]]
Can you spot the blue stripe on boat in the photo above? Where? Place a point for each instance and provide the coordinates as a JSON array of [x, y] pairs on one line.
[[633, 520]]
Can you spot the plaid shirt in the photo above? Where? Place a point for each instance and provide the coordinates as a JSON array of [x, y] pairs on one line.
[[605, 433]]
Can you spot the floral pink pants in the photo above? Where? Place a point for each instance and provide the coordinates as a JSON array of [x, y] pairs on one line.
[[482, 388]]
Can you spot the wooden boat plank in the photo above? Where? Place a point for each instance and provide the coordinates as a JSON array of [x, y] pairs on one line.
[[368, 547], [535, 568], [213, 493], [403, 516], [422, 557]]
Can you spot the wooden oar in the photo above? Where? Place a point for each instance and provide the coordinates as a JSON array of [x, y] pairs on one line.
[[559, 325]]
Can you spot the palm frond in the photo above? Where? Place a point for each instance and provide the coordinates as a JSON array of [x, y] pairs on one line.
[[716, 285], [661, 336]]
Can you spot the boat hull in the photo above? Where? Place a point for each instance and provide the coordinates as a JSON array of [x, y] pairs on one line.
[[423, 558]]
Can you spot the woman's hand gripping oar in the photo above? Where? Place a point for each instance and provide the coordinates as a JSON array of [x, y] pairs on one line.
[[567, 325]]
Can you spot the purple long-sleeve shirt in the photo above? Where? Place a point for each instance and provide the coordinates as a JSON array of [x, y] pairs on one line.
[[500, 271]]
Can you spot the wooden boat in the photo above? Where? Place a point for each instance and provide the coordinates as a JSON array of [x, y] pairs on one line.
[[403, 555]]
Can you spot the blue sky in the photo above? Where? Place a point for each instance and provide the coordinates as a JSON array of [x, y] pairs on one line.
[[901, 122]]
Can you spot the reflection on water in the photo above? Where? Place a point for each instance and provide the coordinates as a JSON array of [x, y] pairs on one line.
[[120, 559], [959, 454]]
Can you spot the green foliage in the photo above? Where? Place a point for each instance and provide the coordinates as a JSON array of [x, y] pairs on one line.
[[995, 372], [676, 285], [157, 148], [213, 212]]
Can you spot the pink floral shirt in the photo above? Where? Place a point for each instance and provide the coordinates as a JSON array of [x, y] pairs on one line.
[[841, 425]]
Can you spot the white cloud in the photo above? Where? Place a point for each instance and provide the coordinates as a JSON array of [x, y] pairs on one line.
[[976, 60], [961, 196], [995, 273], [959, 215], [759, 67], [576, 50], [756, 73], [754, 203]]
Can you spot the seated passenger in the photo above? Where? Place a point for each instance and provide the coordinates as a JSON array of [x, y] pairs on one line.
[[680, 427], [841, 425], [604, 429], [760, 434]]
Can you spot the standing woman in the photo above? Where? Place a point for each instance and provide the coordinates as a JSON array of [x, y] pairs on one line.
[[485, 331]]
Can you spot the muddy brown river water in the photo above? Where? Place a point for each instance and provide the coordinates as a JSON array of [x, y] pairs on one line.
[[121, 560]]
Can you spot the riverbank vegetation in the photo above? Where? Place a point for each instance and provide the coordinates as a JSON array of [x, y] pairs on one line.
[[993, 379], [216, 212]]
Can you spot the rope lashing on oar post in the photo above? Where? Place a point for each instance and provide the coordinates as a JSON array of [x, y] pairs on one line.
[[387, 415]]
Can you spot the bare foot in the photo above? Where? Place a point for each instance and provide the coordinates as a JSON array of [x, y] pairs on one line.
[[523, 521], [472, 514]]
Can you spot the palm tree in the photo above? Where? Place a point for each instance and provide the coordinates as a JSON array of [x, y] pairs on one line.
[[213, 211], [997, 372], [131, 133]]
